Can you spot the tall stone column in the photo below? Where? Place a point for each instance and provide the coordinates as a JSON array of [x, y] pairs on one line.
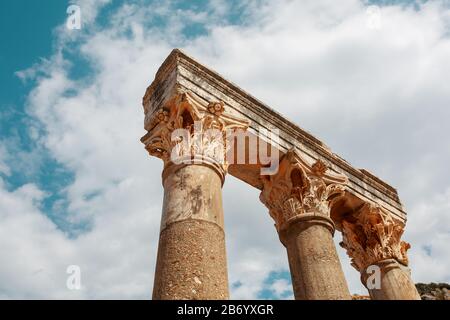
[[190, 136], [371, 237], [299, 197]]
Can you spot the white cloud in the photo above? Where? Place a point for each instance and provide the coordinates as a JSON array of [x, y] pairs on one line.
[[429, 231], [281, 287], [379, 97], [253, 247], [31, 245]]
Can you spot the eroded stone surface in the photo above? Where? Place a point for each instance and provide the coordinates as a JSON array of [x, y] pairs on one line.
[[299, 197], [314, 191], [192, 192], [371, 237], [190, 130], [396, 283], [180, 74], [188, 135], [191, 262], [300, 188], [372, 234], [315, 267]]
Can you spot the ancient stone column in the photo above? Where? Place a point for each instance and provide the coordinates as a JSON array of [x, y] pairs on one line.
[[190, 136], [299, 197], [371, 237]]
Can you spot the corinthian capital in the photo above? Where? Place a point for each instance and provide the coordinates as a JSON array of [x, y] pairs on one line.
[[189, 130], [372, 235], [299, 188]]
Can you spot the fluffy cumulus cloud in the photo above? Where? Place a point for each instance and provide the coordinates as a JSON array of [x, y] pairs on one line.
[[371, 83]]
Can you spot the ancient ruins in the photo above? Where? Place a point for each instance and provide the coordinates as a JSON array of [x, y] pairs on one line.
[[203, 127]]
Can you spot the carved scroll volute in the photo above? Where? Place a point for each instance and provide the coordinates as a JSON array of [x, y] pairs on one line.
[[299, 188], [203, 130], [373, 235]]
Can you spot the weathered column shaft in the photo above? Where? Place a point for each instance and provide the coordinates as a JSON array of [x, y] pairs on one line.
[[191, 261], [395, 282], [315, 267], [299, 197], [189, 135], [371, 237]]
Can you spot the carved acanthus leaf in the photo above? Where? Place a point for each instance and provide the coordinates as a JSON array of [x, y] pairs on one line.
[[300, 188], [373, 235], [188, 129]]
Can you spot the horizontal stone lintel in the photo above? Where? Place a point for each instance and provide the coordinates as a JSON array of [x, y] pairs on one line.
[[180, 73]]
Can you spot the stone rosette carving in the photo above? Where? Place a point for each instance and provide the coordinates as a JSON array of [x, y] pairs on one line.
[[372, 235], [299, 188], [189, 130]]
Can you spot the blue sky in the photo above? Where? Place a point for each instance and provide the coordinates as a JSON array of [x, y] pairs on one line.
[[29, 31], [65, 150], [31, 41]]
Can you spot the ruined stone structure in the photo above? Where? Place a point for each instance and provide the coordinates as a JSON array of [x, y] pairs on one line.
[[311, 193]]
